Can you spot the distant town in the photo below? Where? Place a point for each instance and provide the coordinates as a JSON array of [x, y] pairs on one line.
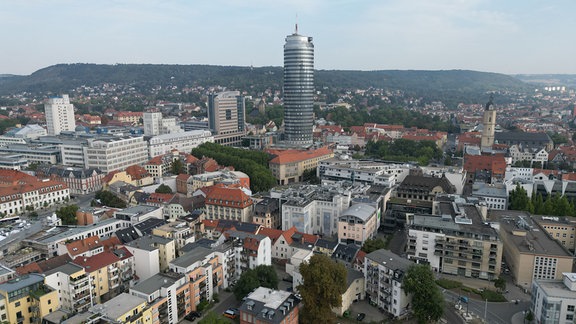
[[221, 204]]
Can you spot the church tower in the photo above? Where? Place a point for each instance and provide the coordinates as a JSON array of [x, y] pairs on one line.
[[489, 124]]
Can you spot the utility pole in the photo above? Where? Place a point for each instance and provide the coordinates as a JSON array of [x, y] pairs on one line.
[[486, 310]]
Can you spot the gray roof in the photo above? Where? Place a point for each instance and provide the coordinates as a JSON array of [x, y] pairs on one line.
[[392, 261], [146, 226], [68, 268], [189, 258], [269, 302], [157, 281], [345, 252], [362, 211], [120, 304], [352, 275], [556, 288], [149, 242], [67, 232], [521, 137], [22, 282], [127, 234], [326, 244]]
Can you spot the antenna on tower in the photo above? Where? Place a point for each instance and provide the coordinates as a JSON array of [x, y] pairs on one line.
[[296, 27]]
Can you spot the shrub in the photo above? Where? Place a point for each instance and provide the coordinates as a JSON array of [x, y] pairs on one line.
[[448, 284]]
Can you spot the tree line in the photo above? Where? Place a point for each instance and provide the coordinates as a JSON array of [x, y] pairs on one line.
[[556, 205], [403, 150], [253, 163]]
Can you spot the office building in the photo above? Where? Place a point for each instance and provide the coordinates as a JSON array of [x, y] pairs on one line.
[[554, 301], [115, 153], [298, 89], [59, 115], [227, 117]]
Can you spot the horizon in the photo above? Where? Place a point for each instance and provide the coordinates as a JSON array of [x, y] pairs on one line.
[[515, 37]]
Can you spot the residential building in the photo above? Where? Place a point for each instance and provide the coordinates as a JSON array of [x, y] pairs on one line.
[[298, 90], [134, 175], [355, 290], [228, 202], [88, 246], [204, 270], [167, 294], [455, 239], [528, 153], [160, 165], [223, 176], [265, 305], [418, 187], [530, 252], [384, 272], [79, 181], [181, 141], [293, 266], [19, 192], [124, 308], [357, 224], [115, 153], [129, 117], [288, 166], [152, 254], [73, 286], [227, 117], [110, 273], [26, 299], [267, 213], [59, 115], [370, 172], [250, 250], [178, 231], [490, 168], [6, 274], [554, 301]]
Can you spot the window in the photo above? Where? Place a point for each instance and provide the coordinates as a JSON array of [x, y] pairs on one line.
[[570, 308], [570, 317], [17, 304]]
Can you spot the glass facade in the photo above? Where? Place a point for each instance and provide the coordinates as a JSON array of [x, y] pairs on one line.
[[298, 90]]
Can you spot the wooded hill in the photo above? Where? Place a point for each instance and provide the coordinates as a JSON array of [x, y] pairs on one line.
[[437, 84]]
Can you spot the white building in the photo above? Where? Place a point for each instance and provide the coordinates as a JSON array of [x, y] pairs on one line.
[[183, 141], [59, 115], [554, 301], [115, 153], [155, 124], [370, 172], [293, 267], [74, 287]]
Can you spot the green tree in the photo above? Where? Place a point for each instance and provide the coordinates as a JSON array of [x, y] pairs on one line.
[[529, 316], [518, 199], [427, 300], [322, 289], [68, 214], [163, 189], [177, 167], [261, 276], [500, 284], [109, 199], [213, 318], [373, 244]]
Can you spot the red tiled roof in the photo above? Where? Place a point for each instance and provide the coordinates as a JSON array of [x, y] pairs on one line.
[[289, 156], [137, 172], [545, 171], [309, 238], [228, 196], [107, 178], [272, 233], [288, 235], [46, 265], [80, 246], [569, 176], [100, 260], [160, 197], [208, 223], [183, 177]]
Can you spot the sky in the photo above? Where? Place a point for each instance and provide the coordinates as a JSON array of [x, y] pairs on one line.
[[503, 36]]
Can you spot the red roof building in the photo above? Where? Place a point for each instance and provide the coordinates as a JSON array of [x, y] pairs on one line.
[[228, 202]]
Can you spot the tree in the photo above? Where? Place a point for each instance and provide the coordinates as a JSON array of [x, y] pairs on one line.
[[68, 214], [322, 289], [163, 189], [427, 300], [529, 316], [107, 198], [213, 318], [177, 167], [373, 244], [261, 276], [500, 284]]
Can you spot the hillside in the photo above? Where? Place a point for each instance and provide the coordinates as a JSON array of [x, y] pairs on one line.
[[432, 84]]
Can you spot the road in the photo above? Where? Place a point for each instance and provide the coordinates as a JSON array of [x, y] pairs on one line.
[[496, 313]]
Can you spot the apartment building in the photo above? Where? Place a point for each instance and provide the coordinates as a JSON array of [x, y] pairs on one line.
[[161, 164], [357, 224], [268, 306], [79, 181], [250, 250], [167, 294], [134, 175], [110, 273], [455, 240], [152, 254], [179, 231], [129, 117], [495, 196], [124, 308], [59, 115], [267, 213], [204, 270], [73, 286], [26, 299], [384, 272], [227, 117]]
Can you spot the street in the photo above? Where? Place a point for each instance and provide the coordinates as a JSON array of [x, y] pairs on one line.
[[497, 313]]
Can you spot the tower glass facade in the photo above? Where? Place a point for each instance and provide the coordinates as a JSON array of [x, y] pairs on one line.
[[298, 90]]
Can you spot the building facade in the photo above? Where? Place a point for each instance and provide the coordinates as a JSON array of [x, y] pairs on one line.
[[554, 301], [227, 117], [59, 115], [298, 90], [115, 153]]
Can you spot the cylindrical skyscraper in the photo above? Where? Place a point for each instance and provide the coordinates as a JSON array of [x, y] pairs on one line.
[[298, 89]]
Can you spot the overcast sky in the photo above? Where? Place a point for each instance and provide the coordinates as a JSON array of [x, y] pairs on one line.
[[504, 36]]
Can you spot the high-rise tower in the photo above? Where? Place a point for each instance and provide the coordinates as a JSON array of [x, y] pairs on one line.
[[489, 123], [59, 115], [298, 89], [227, 117]]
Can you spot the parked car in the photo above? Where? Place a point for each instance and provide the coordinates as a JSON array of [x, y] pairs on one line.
[[360, 317], [230, 313], [192, 316]]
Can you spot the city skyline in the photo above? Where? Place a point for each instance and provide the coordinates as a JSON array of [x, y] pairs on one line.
[[512, 37]]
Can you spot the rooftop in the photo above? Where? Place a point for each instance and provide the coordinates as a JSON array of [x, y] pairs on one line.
[[119, 305], [21, 282], [271, 298], [362, 211], [157, 281], [149, 242], [389, 259], [198, 254]]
